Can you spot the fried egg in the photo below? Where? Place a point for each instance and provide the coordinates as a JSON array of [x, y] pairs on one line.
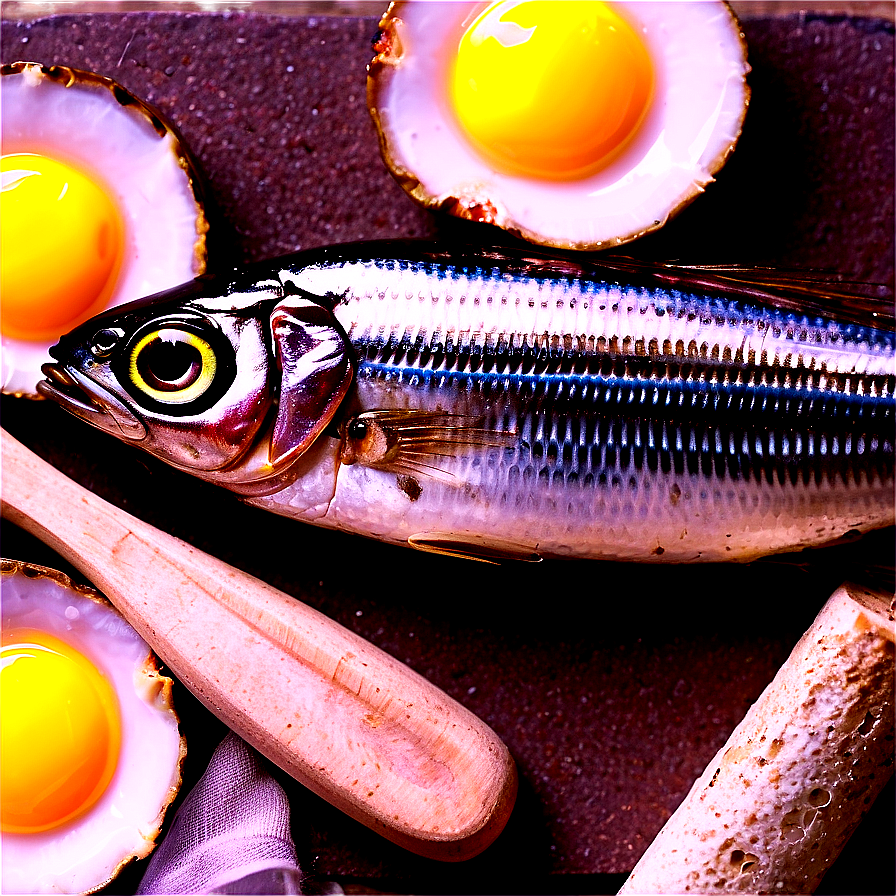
[[90, 751], [570, 123], [100, 204]]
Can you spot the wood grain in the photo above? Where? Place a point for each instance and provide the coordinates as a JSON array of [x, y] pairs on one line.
[[350, 722]]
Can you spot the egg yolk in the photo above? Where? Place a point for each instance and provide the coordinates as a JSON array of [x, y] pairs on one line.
[[551, 88], [60, 732], [62, 242]]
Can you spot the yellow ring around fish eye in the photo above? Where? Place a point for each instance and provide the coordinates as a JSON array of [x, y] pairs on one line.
[[172, 365]]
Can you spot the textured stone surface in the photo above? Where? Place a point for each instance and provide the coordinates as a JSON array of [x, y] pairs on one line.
[[612, 704]]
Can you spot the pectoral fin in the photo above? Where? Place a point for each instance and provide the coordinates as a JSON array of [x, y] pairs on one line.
[[417, 442], [316, 371]]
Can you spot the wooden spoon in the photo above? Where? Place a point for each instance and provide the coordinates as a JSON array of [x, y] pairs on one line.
[[349, 721]]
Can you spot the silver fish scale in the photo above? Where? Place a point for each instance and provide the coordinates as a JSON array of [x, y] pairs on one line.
[[647, 421], [411, 303], [599, 377]]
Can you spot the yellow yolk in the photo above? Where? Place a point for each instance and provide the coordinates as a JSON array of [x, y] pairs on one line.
[[551, 88], [62, 242], [60, 732]]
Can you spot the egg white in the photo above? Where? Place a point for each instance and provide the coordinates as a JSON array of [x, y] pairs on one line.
[[695, 118], [85, 853], [82, 124]]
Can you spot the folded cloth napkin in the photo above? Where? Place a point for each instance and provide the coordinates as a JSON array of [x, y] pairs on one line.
[[230, 835]]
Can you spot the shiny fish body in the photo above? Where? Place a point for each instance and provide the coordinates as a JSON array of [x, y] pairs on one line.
[[651, 423], [540, 408]]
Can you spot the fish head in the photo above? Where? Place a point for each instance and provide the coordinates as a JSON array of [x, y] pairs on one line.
[[228, 378], [180, 373]]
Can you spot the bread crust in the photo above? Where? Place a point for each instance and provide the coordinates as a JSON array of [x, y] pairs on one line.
[[777, 803]]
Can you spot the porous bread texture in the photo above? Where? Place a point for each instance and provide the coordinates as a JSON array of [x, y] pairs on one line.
[[778, 802]]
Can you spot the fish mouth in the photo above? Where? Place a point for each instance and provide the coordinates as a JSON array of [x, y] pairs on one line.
[[90, 401]]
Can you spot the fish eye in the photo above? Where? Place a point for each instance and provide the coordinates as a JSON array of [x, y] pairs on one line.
[[178, 368], [172, 365]]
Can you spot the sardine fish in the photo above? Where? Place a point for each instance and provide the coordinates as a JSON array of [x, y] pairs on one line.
[[494, 404]]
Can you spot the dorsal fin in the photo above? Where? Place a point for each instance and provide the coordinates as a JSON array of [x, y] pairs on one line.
[[813, 292]]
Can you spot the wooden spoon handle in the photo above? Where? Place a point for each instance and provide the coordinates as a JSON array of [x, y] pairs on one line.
[[349, 721]]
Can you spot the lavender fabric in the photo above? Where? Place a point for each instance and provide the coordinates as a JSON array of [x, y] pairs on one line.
[[230, 835]]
